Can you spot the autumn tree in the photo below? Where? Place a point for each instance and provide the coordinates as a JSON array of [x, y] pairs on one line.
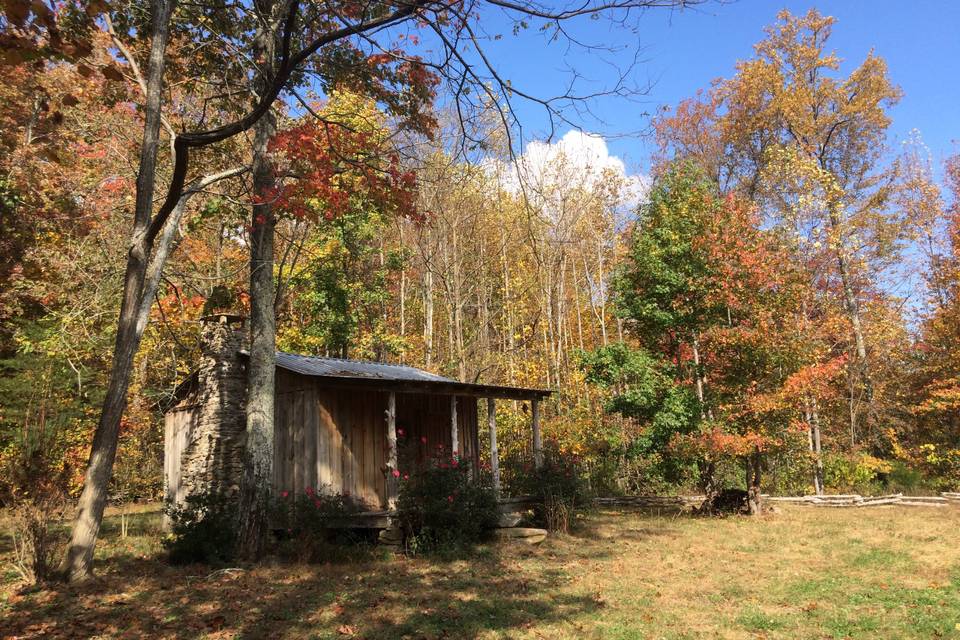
[[313, 43], [807, 145]]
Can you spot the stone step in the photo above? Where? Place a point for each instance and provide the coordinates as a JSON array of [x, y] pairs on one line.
[[525, 535]]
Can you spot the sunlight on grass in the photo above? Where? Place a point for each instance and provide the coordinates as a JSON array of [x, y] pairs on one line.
[[803, 573]]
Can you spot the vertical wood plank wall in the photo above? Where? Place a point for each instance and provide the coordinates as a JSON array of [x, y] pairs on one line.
[[336, 438], [178, 424]]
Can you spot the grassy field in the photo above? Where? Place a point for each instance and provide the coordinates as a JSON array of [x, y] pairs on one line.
[[802, 573]]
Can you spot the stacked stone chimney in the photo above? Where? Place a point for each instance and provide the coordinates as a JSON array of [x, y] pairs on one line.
[[213, 458]]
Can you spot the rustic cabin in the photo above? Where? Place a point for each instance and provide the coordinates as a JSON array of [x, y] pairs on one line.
[[336, 421]]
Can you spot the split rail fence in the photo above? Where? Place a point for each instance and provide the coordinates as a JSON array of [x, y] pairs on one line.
[[945, 499]]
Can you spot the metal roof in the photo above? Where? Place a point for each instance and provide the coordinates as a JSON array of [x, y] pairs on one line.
[[341, 368], [395, 376]]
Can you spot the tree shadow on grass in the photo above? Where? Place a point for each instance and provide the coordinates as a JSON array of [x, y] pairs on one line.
[[136, 596]]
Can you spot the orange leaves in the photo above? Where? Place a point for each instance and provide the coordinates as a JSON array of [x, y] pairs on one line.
[[715, 443], [816, 379], [335, 166]]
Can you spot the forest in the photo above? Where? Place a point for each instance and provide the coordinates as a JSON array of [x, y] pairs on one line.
[[774, 306]]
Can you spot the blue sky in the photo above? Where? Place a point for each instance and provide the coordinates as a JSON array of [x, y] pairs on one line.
[[684, 50]]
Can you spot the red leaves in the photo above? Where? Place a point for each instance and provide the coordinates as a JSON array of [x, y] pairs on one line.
[[336, 168]]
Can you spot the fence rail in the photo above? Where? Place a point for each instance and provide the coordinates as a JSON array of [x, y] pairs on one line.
[[945, 499]]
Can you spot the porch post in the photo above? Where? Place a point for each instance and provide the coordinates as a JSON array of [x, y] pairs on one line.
[[454, 438], [392, 484], [494, 453], [537, 442]]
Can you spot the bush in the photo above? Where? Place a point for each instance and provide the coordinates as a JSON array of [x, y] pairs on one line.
[[558, 487], [442, 506], [37, 542], [202, 529], [306, 524], [854, 473]]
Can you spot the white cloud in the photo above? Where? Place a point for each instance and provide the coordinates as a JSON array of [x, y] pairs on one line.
[[577, 160]]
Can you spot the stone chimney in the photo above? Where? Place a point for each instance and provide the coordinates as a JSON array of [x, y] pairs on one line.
[[213, 458]]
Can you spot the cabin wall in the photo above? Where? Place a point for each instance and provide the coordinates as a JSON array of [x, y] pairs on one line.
[[425, 415], [178, 427], [331, 437], [335, 438]]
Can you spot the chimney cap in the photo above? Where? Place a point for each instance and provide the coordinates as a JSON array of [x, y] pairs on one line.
[[224, 318]]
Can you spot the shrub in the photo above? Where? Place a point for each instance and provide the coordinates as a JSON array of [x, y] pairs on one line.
[[854, 472], [37, 541], [558, 486], [443, 506], [202, 529], [306, 524]]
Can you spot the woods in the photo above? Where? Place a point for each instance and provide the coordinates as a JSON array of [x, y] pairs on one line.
[[351, 178]]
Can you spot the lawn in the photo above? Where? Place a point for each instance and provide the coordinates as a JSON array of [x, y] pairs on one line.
[[802, 573]]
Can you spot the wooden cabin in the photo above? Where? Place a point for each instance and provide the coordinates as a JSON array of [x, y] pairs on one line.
[[336, 422]]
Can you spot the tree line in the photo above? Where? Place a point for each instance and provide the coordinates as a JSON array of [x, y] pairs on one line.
[[732, 322]]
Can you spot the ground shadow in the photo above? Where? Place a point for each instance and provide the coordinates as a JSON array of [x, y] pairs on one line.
[[136, 596]]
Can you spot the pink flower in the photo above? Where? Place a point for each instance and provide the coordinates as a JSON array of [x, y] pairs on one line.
[[400, 432], [423, 439], [454, 462], [308, 491], [449, 498], [316, 503], [406, 476], [284, 494], [396, 473]]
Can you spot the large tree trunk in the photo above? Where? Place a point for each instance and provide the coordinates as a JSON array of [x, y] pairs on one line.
[[78, 563], [258, 464]]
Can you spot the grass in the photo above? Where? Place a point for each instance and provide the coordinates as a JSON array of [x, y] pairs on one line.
[[802, 573]]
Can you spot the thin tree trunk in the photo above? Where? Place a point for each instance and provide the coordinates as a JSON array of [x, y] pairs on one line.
[[817, 453], [77, 565], [428, 315], [754, 466], [705, 411], [852, 306]]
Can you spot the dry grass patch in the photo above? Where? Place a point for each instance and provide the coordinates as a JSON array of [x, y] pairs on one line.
[[804, 573]]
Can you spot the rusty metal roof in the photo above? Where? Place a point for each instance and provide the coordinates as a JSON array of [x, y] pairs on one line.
[[342, 368], [396, 377]]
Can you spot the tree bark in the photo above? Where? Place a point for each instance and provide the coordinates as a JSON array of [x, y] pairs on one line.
[[754, 467], [77, 565], [258, 463], [852, 306]]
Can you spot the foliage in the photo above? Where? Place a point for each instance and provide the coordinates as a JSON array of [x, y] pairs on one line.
[[202, 529], [304, 523], [557, 486], [36, 537], [443, 506]]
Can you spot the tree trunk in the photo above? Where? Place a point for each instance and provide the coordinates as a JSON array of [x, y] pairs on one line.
[[817, 454], [852, 306], [77, 565], [428, 316], [754, 467], [258, 464]]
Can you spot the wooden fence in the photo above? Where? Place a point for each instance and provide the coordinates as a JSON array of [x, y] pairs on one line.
[[945, 499]]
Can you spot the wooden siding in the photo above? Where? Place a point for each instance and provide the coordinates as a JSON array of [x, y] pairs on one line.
[[178, 424], [336, 437]]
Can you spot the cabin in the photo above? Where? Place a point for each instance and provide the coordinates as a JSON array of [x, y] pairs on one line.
[[336, 421]]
